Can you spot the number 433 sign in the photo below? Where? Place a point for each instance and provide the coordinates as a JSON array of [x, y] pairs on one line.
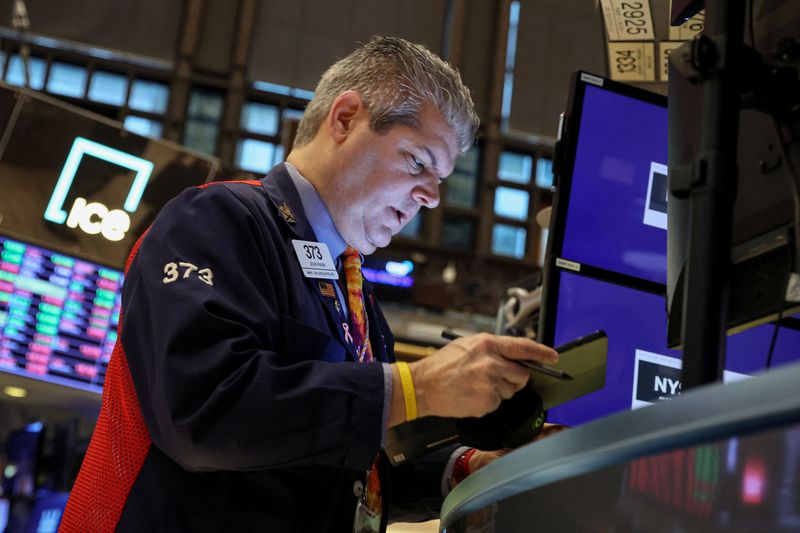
[[629, 25]]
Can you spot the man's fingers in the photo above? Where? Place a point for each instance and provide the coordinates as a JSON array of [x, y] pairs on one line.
[[518, 348], [506, 389]]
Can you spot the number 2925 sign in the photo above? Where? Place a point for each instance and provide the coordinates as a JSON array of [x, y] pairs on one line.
[[628, 20]]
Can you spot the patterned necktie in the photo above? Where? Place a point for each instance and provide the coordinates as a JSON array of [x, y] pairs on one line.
[[355, 301], [372, 500]]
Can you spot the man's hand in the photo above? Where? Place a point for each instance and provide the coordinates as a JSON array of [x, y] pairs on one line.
[[480, 458], [471, 375]]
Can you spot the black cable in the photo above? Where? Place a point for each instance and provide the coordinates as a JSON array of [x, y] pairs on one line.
[[752, 31], [780, 317], [794, 261]]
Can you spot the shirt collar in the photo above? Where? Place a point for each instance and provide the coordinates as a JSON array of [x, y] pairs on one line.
[[318, 215]]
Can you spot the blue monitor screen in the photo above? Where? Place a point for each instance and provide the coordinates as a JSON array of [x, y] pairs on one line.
[[641, 369], [58, 315], [616, 217]]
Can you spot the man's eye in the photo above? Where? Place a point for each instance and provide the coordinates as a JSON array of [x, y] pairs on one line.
[[416, 165]]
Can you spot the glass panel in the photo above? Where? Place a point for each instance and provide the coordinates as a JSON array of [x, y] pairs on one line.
[[36, 69], [543, 245], [143, 126], [202, 126], [207, 104], [260, 118], [108, 88], [515, 167], [508, 240], [511, 203], [255, 156], [413, 228], [201, 136], [292, 114], [68, 80], [149, 96], [458, 233], [544, 172], [463, 182]]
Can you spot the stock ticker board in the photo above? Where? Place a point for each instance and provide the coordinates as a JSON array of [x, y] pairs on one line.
[[58, 315]]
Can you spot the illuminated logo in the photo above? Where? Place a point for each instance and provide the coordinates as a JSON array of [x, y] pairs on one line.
[[93, 217]]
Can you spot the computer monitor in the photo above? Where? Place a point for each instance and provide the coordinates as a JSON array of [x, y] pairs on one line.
[[610, 172], [58, 315], [641, 368]]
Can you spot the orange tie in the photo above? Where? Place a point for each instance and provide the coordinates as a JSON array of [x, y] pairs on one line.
[[359, 326]]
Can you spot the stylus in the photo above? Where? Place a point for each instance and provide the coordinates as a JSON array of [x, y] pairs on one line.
[[533, 365]]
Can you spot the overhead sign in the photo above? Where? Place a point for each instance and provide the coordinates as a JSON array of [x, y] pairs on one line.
[[93, 217], [628, 20]]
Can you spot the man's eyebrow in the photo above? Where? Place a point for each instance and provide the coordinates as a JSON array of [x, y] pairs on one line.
[[431, 156]]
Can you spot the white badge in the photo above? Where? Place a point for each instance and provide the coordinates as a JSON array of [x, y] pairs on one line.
[[315, 259]]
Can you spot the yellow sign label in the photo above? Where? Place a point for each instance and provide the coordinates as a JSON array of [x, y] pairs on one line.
[[631, 61], [628, 20]]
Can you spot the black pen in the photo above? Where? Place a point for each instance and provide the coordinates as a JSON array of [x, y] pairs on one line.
[[527, 363]]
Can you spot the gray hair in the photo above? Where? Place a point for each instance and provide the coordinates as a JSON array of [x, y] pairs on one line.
[[394, 79]]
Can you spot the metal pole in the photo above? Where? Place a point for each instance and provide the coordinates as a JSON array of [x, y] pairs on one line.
[[712, 195]]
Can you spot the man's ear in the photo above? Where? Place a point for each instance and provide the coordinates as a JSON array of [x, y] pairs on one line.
[[345, 111]]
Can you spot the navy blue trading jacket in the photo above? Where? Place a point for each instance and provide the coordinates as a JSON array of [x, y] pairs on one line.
[[232, 401]]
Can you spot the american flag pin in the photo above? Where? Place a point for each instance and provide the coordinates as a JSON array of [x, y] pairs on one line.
[[326, 289]]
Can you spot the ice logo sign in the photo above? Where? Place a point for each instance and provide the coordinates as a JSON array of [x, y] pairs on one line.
[[94, 217], [655, 209]]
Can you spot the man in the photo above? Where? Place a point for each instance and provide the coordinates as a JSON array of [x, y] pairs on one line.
[[249, 389]]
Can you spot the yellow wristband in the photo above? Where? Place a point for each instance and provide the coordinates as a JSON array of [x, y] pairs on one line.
[[408, 390]]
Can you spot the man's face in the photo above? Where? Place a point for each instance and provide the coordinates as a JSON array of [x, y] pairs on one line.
[[384, 179]]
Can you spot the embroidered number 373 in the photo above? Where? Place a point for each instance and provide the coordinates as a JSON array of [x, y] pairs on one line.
[[172, 274]]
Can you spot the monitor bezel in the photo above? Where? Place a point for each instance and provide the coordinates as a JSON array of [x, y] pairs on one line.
[[564, 166]]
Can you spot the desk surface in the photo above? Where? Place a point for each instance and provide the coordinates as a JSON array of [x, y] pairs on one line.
[[717, 458]]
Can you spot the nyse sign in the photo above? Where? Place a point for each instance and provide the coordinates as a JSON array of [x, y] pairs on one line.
[[657, 378], [93, 217]]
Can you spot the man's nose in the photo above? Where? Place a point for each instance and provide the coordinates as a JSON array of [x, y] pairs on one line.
[[426, 194]]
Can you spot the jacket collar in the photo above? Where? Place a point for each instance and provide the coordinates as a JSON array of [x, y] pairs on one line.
[[282, 193]]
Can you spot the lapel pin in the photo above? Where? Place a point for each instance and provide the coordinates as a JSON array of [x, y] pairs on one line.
[[326, 289], [286, 213]]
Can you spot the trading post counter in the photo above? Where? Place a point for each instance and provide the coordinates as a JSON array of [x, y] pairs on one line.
[[717, 458]]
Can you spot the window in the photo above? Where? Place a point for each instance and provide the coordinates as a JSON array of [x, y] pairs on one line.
[[108, 88], [508, 240], [462, 184], [257, 156], [265, 121], [413, 228], [36, 70], [149, 96], [203, 120], [511, 52], [515, 167], [544, 172], [458, 233], [511, 203], [143, 126], [260, 118], [67, 80]]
